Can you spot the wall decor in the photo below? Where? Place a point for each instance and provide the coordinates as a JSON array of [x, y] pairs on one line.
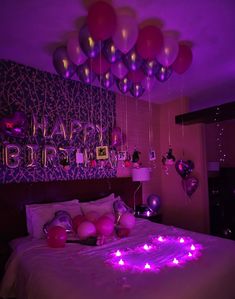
[[50, 127]]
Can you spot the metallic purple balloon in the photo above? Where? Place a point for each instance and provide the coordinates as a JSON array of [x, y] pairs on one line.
[[107, 80], [124, 85], [184, 168], [190, 185], [164, 73], [137, 90], [154, 202], [120, 208], [90, 47], [151, 67], [62, 63], [133, 60], [111, 52], [85, 74], [61, 218], [119, 69]]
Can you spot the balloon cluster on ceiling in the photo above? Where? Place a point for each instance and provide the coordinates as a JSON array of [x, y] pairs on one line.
[[111, 47]]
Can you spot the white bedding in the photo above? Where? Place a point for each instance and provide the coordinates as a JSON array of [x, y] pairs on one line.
[[36, 271]]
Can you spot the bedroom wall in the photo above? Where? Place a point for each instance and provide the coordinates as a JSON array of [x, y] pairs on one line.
[[188, 143], [138, 118]]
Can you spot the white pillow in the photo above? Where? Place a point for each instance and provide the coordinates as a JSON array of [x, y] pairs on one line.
[[38, 214], [101, 206]]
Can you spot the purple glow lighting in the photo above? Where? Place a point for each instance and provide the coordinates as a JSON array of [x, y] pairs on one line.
[[118, 253], [155, 254]]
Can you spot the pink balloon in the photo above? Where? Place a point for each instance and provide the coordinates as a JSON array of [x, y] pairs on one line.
[[74, 50], [77, 220], [127, 220], [148, 83], [86, 229], [56, 237], [99, 64], [183, 60], [110, 216], [169, 51], [126, 32], [102, 20], [92, 216], [104, 226], [119, 69], [150, 42], [136, 76]]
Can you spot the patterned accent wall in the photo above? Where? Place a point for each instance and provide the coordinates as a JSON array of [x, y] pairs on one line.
[[59, 118]]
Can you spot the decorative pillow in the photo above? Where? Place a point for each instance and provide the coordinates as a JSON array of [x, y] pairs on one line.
[[38, 214], [101, 206]]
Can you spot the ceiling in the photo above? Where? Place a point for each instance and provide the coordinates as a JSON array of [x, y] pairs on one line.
[[30, 30]]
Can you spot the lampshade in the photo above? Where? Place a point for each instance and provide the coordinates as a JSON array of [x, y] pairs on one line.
[[141, 174]]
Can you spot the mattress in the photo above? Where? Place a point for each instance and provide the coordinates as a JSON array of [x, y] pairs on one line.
[[154, 261]]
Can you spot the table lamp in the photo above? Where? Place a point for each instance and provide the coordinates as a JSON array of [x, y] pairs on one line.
[[140, 175]]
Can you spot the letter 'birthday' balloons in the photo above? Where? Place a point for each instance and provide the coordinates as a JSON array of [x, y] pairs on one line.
[[102, 20]]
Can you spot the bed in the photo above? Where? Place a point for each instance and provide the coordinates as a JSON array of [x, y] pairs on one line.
[[154, 261]]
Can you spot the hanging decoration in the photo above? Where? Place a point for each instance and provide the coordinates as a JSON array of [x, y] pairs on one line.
[[116, 44], [168, 160]]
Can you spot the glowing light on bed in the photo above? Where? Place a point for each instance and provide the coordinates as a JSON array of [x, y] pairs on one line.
[[147, 247], [121, 262], [175, 261], [158, 252], [118, 253], [192, 248], [147, 266]]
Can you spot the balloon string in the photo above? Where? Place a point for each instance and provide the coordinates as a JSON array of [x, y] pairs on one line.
[[101, 119], [126, 120], [150, 119], [136, 114], [182, 111], [169, 126]]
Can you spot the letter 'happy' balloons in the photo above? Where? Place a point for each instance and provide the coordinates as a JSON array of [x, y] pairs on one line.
[[102, 20]]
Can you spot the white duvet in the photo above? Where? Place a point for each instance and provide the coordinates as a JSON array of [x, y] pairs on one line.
[[36, 271]]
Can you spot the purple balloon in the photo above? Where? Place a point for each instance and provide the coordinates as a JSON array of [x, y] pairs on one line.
[[151, 67], [133, 60], [85, 74], [164, 73], [137, 90], [184, 168], [111, 52], [62, 219], [75, 52], [124, 85], [119, 69], [154, 202], [107, 80], [121, 208], [190, 185], [62, 63], [148, 83], [90, 47], [170, 50]]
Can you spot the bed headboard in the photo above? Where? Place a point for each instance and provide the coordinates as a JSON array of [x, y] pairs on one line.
[[14, 197]]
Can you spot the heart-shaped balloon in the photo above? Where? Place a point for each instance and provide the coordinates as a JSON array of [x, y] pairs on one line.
[[184, 168], [190, 185], [14, 125], [62, 219], [120, 208]]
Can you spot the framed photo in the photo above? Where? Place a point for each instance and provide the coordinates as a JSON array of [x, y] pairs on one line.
[[102, 152], [122, 155], [152, 155]]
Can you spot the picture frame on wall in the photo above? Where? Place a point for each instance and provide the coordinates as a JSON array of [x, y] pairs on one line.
[[102, 152], [122, 155], [152, 155]]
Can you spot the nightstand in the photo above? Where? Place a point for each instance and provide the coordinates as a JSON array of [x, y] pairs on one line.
[[4, 255], [157, 218]]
